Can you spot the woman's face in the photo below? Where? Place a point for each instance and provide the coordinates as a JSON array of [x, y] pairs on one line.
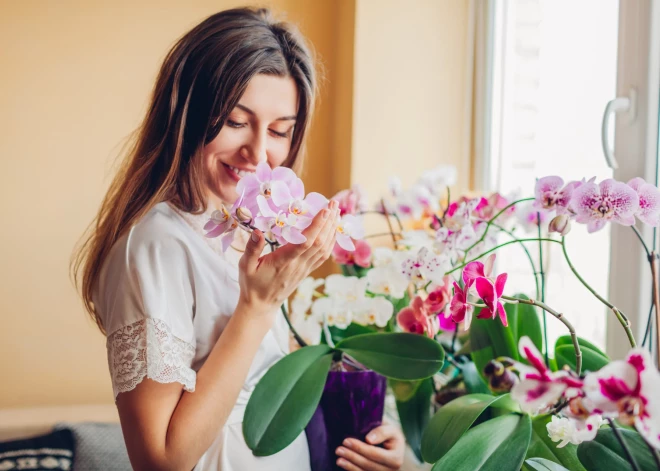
[[258, 129]]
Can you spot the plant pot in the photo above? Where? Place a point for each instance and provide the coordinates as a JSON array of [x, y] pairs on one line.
[[352, 405]]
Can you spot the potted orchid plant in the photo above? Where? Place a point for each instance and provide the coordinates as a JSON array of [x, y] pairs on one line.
[[475, 383]]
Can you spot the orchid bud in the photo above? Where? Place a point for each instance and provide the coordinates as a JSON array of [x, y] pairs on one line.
[[500, 378], [560, 224], [243, 214]]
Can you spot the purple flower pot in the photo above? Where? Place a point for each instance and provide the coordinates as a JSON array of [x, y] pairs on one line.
[[351, 406]]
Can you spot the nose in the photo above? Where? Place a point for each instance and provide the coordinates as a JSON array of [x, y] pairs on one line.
[[255, 151]]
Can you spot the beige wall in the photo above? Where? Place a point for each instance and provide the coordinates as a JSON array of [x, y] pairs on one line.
[[409, 90], [76, 76]]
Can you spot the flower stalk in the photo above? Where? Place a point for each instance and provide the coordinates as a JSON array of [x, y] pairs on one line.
[[623, 320], [623, 444], [560, 317]]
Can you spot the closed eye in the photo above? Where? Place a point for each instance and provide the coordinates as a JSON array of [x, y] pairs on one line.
[[234, 124]]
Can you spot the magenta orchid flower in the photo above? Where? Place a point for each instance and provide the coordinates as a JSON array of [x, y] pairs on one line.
[[539, 388], [491, 294], [477, 269], [460, 308], [360, 257], [439, 297], [649, 201], [596, 205], [628, 390], [417, 320]]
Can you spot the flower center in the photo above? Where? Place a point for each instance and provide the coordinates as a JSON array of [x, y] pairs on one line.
[[297, 207], [630, 407], [265, 189]]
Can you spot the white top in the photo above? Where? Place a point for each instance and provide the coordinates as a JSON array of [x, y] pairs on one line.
[[165, 294]]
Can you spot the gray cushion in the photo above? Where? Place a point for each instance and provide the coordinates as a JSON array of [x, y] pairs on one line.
[[98, 446]]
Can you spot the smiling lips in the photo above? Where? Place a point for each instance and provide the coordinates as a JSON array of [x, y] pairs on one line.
[[236, 173]]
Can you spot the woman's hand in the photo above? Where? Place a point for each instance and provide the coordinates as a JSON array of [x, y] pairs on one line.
[[267, 281], [356, 455]]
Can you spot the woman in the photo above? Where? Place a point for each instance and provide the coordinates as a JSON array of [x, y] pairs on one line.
[[190, 329]]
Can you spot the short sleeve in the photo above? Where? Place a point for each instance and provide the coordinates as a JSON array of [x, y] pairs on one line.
[[145, 299]]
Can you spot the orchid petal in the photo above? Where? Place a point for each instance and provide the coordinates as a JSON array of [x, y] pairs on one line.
[[345, 242], [293, 235], [263, 172], [280, 194], [316, 202], [486, 292]]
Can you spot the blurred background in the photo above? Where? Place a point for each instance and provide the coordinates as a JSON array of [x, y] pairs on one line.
[[504, 90]]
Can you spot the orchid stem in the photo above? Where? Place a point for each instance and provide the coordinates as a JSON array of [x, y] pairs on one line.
[[492, 220], [545, 320], [499, 246], [639, 236], [296, 336], [623, 320], [529, 257], [560, 317], [389, 223], [656, 300], [622, 442], [381, 234]]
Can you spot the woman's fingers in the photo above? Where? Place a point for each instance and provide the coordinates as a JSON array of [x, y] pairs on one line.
[[376, 454], [357, 460]]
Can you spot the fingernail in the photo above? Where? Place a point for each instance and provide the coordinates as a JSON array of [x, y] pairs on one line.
[[255, 237], [371, 437], [341, 451], [325, 213], [347, 443], [341, 462]]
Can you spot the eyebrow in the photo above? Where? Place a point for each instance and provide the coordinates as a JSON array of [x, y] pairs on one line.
[[249, 111]]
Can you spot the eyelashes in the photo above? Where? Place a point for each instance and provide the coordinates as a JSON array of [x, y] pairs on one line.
[[237, 125]]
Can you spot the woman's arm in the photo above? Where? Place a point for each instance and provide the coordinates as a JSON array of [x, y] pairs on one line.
[[166, 427]]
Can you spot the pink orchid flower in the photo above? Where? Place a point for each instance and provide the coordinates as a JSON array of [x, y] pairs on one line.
[[460, 308], [360, 257], [649, 201], [351, 201], [286, 227], [596, 205], [496, 203], [539, 388], [417, 320], [262, 181], [628, 390], [446, 322], [491, 293], [550, 194], [439, 297], [291, 198], [224, 224]]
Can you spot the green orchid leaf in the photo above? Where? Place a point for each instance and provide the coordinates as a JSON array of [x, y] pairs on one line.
[[541, 446], [451, 422], [567, 340], [591, 359], [541, 464], [352, 330], [415, 414], [524, 320], [489, 339], [605, 452], [474, 383], [285, 399], [499, 444], [398, 355]]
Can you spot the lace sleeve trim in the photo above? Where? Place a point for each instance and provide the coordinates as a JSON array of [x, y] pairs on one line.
[[148, 348]]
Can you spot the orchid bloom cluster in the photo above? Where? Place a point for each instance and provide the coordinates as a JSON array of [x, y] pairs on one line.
[[625, 390], [587, 202], [478, 280], [274, 201], [345, 300]]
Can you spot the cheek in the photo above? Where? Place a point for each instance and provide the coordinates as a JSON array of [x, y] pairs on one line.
[[225, 142], [278, 153]]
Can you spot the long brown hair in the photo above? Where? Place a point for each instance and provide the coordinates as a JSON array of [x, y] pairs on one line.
[[199, 83]]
